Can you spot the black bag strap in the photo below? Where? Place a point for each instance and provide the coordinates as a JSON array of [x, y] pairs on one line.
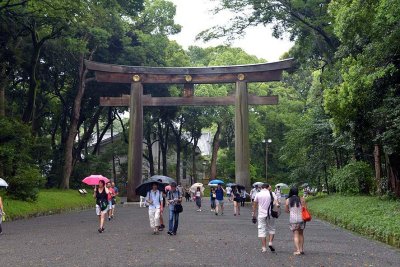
[[271, 204]]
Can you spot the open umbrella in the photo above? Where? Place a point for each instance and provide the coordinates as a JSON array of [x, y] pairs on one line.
[[193, 188], [3, 183], [258, 184], [239, 186], [304, 185], [212, 185], [282, 185], [230, 184], [162, 179], [216, 181], [146, 186], [94, 179]]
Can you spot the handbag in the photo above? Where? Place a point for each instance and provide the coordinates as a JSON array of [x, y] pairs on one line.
[[103, 205], [274, 214], [305, 214], [178, 208]]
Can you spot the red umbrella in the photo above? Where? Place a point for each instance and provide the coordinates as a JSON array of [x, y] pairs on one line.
[[94, 179]]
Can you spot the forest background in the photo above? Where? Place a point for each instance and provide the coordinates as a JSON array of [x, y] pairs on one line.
[[337, 122]]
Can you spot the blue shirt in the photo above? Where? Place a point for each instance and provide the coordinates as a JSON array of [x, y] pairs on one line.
[[219, 194], [175, 196], [156, 197]]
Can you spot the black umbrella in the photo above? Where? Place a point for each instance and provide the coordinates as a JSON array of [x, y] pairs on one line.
[[162, 179], [147, 185], [239, 186]]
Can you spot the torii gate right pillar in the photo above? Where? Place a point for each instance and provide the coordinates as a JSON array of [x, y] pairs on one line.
[[242, 162]]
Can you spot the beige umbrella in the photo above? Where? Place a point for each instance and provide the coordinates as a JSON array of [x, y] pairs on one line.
[[193, 188]]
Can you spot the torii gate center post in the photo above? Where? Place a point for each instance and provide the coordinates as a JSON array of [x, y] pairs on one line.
[[138, 75]]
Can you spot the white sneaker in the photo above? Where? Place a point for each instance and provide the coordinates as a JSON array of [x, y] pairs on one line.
[[264, 249]]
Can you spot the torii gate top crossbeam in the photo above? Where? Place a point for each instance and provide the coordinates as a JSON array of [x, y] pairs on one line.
[[196, 75]]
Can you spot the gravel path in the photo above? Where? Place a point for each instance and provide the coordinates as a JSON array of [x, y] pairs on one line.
[[203, 240]]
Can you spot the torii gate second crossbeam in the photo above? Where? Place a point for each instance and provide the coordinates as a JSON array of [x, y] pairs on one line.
[[137, 76]]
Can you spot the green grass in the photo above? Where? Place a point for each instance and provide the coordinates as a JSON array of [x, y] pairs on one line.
[[366, 215], [49, 202]]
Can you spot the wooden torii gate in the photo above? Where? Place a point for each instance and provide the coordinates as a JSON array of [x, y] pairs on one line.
[[137, 76]]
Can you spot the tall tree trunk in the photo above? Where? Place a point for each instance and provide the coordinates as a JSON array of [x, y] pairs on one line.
[[194, 169], [184, 167], [215, 148], [378, 168], [394, 169], [29, 112], [178, 143], [73, 127], [149, 145], [111, 117], [96, 149], [163, 143], [3, 83]]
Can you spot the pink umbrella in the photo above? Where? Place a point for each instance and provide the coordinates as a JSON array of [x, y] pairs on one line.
[[94, 179], [167, 188]]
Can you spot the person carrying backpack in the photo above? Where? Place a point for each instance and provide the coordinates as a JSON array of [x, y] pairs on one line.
[[174, 200]]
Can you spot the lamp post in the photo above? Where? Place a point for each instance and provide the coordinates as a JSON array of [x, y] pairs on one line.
[[267, 142]]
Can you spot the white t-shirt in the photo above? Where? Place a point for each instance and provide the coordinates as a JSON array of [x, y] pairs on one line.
[[228, 190], [263, 198], [198, 194]]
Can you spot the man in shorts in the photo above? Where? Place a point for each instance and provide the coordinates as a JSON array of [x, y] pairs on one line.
[[266, 223], [219, 199]]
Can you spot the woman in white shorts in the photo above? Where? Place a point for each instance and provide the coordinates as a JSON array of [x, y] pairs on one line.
[[101, 196]]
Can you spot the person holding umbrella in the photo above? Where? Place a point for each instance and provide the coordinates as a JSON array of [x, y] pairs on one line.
[[101, 195], [174, 198], [154, 199], [219, 195], [198, 195]]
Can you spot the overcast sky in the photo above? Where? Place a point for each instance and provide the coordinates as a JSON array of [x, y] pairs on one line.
[[194, 16]]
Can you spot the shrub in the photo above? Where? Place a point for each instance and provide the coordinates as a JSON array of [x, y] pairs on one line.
[[25, 184], [356, 177]]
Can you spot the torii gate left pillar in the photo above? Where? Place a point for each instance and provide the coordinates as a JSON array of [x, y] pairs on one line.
[[135, 140]]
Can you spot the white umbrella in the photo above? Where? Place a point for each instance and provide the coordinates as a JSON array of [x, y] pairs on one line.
[[282, 185], [193, 188], [3, 183], [258, 184]]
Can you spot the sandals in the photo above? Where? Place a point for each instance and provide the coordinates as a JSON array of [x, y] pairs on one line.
[[297, 253]]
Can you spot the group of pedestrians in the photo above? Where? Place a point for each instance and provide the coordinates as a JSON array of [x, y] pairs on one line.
[[157, 200], [105, 195], [265, 206]]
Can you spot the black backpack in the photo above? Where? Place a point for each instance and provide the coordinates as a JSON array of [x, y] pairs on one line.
[[274, 214]]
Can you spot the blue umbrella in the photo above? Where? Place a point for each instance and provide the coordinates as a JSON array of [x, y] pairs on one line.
[[216, 181]]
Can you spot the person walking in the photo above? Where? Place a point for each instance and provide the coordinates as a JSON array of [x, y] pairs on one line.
[[163, 203], [114, 199], [278, 193], [198, 196], [243, 197], [293, 206], [236, 201], [266, 223], [219, 196], [229, 193], [101, 196], [174, 198], [2, 213], [253, 193], [187, 194], [110, 196], [154, 200], [212, 198]]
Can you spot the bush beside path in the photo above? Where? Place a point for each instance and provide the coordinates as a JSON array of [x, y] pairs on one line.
[[49, 202], [369, 216]]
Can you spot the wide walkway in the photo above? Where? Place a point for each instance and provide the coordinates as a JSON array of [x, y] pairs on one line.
[[203, 240]]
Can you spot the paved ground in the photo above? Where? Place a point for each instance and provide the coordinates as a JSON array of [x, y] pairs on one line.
[[203, 240]]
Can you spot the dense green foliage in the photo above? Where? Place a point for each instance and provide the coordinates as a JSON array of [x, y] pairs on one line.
[[48, 202], [337, 118], [370, 216], [354, 178]]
